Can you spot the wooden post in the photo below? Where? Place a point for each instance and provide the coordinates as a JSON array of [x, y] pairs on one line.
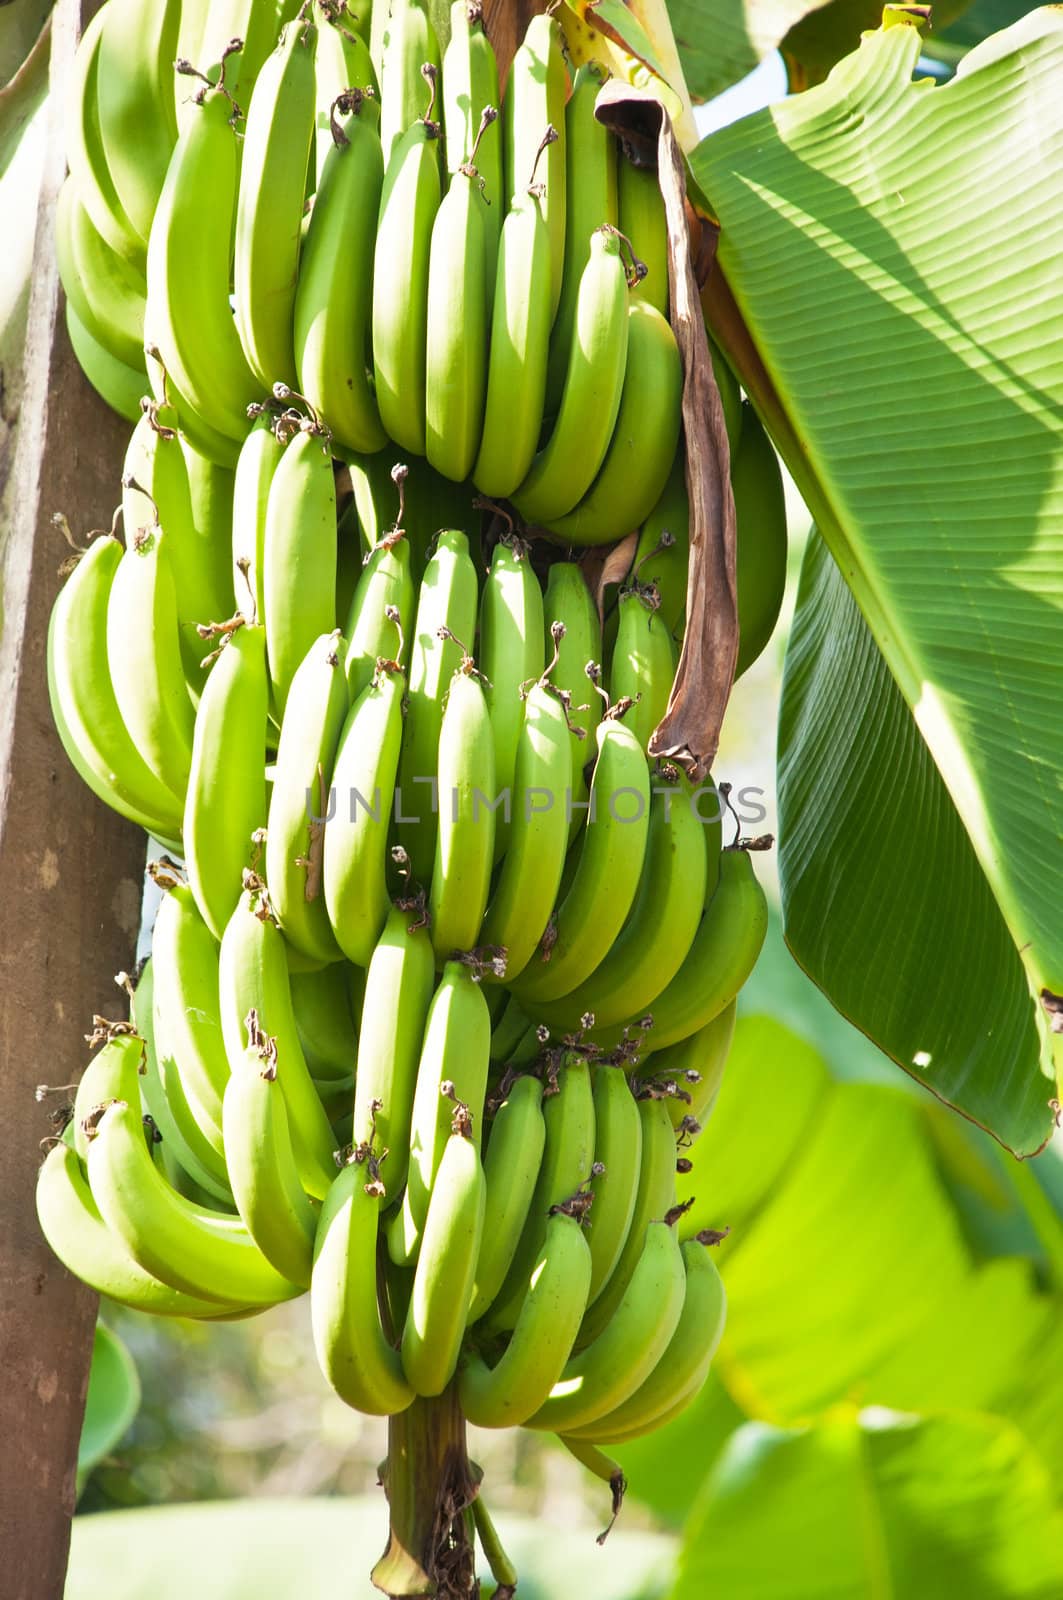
[[70, 883]]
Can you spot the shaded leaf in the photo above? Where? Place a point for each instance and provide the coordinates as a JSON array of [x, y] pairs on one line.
[[112, 1401]]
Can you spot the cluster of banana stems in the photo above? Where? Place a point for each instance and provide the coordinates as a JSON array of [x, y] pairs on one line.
[[444, 974]]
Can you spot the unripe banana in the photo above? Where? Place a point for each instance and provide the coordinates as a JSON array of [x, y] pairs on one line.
[[510, 1027], [224, 22], [569, 601], [695, 1065], [111, 1073], [409, 200], [643, 445], [618, 1153], [642, 222], [226, 802], [355, 856], [119, 386], [187, 1020], [461, 877], [409, 44], [205, 1253], [253, 976], [760, 516], [218, 447], [535, 100], [506, 1394], [609, 869], [265, 1178], [85, 152], [447, 599], [84, 705], [398, 993], [730, 395], [590, 200], [299, 557], [333, 303], [341, 63], [385, 586], [269, 214], [260, 456], [326, 1010], [107, 292], [470, 83], [511, 1172], [568, 463], [643, 662], [663, 551], [446, 1267], [302, 799], [511, 657], [352, 1348], [610, 1370], [188, 315], [135, 102]]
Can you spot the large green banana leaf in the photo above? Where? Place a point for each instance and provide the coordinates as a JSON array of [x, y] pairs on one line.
[[893, 250], [876, 1507]]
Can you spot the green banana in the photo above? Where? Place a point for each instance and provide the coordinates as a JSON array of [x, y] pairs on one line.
[[446, 1267], [760, 516], [85, 152], [618, 1153], [265, 1178], [568, 463], [535, 100], [398, 993], [409, 45], [615, 1365], [644, 440], [409, 200], [135, 102], [511, 1171], [643, 224], [269, 214], [458, 325], [663, 551], [608, 872], [112, 1072], [108, 293], [509, 1027], [302, 800], [511, 657], [643, 662], [695, 1065], [251, 25], [333, 304], [355, 856], [730, 395], [119, 386], [353, 1350], [590, 201], [206, 1253], [684, 1366], [381, 612], [253, 976], [342, 64], [470, 84], [531, 870], [217, 447], [226, 801], [188, 316], [519, 1384], [260, 455], [569, 601], [299, 557], [447, 599], [461, 877], [326, 1019], [84, 705]]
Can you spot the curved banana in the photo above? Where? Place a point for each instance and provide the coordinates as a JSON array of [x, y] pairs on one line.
[[568, 1156], [71, 1222], [226, 801], [461, 877], [448, 599], [188, 315], [590, 201], [615, 1365], [334, 291], [355, 856], [618, 1153], [511, 657], [470, 84], [695, 1065], [655, 939], [684, 1366], [723, 953], [253, 976], [342, 64], [531, 869], [119, 386], [385, 586], [108, 293], [643, 662], [84, 705], [302, 799], [730, 395], [540, 1345], [642, 222], [298, 557], [535, 100], [85, 152], [398, 993], [265, 1178], [760, 516], [217, 447], [409, 200], [111, 1073], [446, 1267], [260, 456], [568, 463], [205, 1253], [252, 24], [510, 1027], [352, 1348], [410, 44], [511, 1171], [569, 601], [663, 551], [326, 1018], [608, 872], [458, 325], [643, 444], [135, 102]]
